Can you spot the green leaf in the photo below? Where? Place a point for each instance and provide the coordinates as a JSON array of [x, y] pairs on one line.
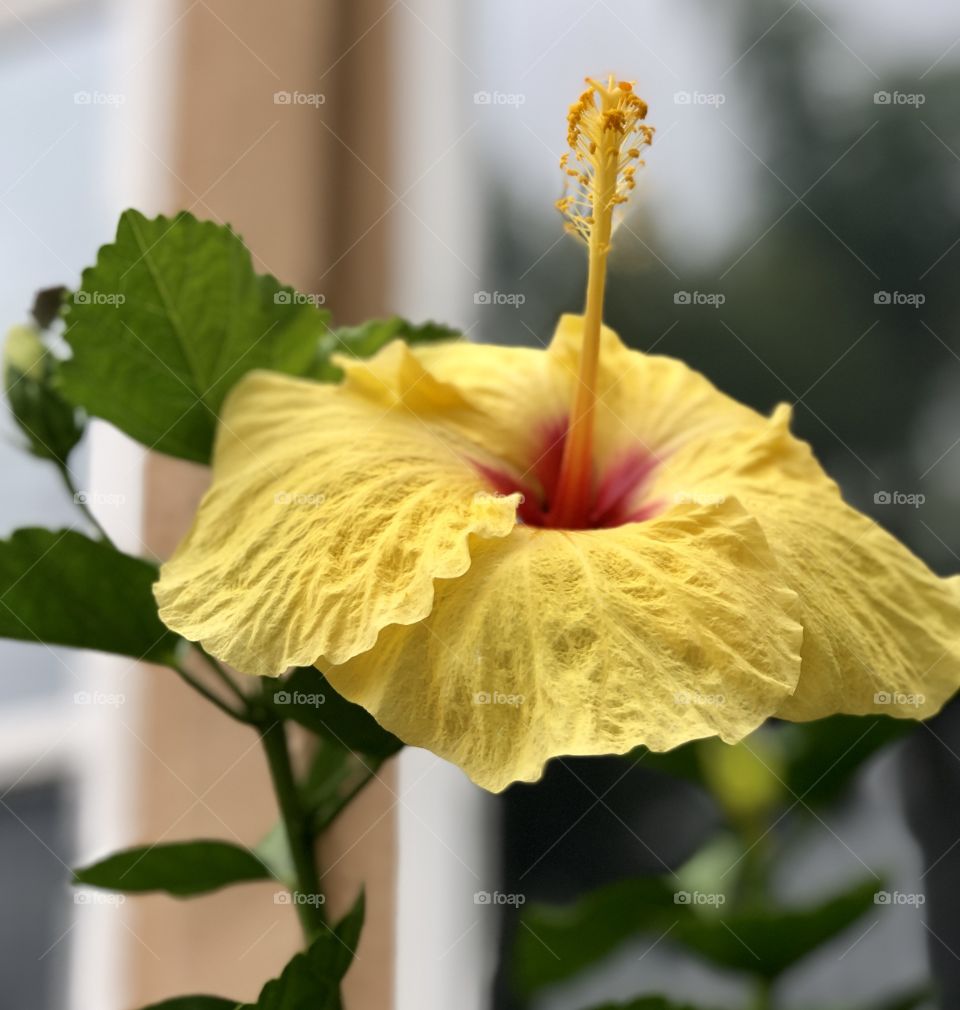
[[179, 868], [63, 588], [820, 758], [647, 1003], [50, 424], [274, 850], [311, 981], [824, 756], [365, 340], [908, 1002], [168, 321], [307, 697], [195, 1003], [562, 940], [769, 941]]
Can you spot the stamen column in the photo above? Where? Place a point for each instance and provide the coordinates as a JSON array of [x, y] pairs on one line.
[[604, 171]]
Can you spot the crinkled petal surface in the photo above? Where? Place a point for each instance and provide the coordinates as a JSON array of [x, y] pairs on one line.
[[589, 642], [881, 631], [645, 402], [332, 510], [354, 526]]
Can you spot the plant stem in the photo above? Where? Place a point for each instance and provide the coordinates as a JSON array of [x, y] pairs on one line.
[[78, 499], [188, 678], [763, 997], [296, 822], [300, 831], [755, 833], [224, 675], [322, 823]]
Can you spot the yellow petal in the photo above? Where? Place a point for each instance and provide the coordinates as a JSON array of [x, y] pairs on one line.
[[520, 395], [647, 402], [881, 631], [588, 642], [648, 406], [647, 399], [331, 512]]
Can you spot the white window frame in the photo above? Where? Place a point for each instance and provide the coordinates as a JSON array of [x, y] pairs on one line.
[[446, 945], [50, 738]]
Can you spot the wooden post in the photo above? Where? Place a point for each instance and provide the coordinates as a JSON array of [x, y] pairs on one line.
[[300, 181]]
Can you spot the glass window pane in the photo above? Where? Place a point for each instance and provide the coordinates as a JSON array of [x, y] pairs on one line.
[[34, 843]]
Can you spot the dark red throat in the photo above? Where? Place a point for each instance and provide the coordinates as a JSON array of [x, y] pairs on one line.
[[614, 500]]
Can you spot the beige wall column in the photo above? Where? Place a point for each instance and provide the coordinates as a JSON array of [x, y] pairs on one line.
[[301, 183]]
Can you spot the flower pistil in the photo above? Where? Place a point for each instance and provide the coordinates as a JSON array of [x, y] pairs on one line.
[[606, 134]]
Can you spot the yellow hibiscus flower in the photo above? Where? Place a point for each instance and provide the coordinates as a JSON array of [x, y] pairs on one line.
[[509, 554]]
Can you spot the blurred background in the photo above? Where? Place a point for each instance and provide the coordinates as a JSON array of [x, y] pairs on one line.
[[796, 237]]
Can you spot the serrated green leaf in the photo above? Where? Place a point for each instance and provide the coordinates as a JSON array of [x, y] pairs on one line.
[[167, 322], [365, 340], [311, 981], [62, 588], [307, 697], [195, 1003], [182, 869]]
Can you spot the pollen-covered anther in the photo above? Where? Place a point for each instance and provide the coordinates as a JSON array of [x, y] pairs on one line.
[[606, 135]]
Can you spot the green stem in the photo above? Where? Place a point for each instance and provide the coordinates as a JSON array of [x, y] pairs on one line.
[[189, 679], [322, 823], [300, 832], [763, 995], [64, 472], [752, 885], [224, 675]]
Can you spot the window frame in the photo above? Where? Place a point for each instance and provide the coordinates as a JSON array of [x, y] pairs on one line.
[[54, 737]]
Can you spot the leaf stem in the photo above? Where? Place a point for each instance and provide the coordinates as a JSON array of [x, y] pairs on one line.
[[189, 679], [301, 836], [224, 675], [80, 499], [322, 823]]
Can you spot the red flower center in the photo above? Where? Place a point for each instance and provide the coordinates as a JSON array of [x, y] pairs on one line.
[[615, 498]]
